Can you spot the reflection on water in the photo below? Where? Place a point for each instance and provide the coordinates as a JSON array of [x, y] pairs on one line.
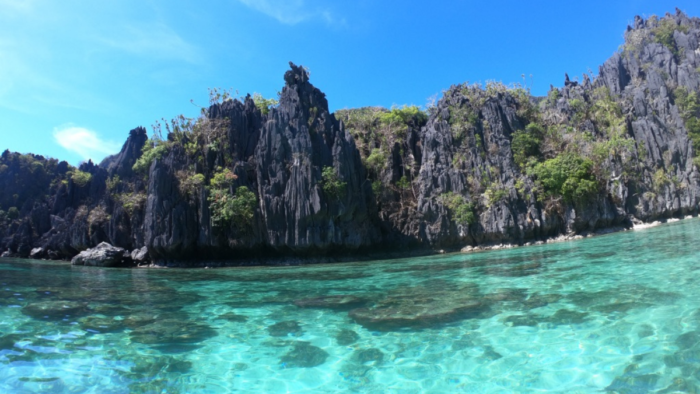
[[619, 313]]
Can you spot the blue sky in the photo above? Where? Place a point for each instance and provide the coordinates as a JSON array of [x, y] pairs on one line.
[[76, 76]]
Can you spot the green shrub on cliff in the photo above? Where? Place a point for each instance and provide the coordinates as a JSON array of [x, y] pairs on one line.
[[399, 118], [663, 34], [376, 161], [227, 208], [13, 213], [461, 211], [263, 104], [568, 175], [331, 183], [526, 144], [81, 178], [152, 150]]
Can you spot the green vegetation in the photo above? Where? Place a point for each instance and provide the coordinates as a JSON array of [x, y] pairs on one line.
[[660, 180], [663, 34], [13, 213], [331, 184], [81, 178], [689, 108], [98, 216], [526, 144], [462, 119], [376, 161], [189, 183], [568, 175], [131, 202], [238, 209], [399, 118], [462, 211], [264, 104], [403, 183], [112, 183], [553, 96], [495, 194], [154, 149], [227, 208]]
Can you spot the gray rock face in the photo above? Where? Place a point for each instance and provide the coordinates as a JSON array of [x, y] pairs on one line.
[[140, 255], [37, 253], [280, 157], [103, 255]]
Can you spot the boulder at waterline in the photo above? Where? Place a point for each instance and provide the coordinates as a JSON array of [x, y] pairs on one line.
[[102, 255]]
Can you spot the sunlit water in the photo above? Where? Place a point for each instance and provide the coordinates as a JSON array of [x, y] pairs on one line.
[[619, 313]]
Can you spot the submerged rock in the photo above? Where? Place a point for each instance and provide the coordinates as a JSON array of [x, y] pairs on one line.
[[336, 302], [633, 384], [284, 328], [55, 309], [102, 255], [233, 317], [101, 324], [163, 332], [418, 308], [688, 339], [346, 337], [565, 316], [367, 356], [304, 355]]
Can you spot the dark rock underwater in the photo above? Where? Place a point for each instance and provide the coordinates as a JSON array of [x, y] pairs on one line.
[[485, 165]]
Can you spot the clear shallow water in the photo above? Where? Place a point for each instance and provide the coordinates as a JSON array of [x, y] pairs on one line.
[[619, 313]]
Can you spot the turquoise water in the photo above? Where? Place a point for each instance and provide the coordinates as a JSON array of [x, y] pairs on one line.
[[619, 312]]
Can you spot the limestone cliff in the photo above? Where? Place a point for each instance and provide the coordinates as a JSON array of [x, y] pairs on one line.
[[486, 164]]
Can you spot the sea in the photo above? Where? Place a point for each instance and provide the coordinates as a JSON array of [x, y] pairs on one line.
[[612, 313]]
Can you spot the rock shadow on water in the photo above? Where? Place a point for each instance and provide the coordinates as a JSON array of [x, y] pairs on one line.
[[303, 355]]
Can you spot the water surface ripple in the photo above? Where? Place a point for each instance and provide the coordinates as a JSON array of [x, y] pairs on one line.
[[617, 313]]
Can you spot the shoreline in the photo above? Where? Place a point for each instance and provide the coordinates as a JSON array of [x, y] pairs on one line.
[[573, 237], [418, 252]]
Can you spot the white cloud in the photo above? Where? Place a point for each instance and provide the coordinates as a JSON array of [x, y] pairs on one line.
[[84, 142], [291, 12], [155, 40]]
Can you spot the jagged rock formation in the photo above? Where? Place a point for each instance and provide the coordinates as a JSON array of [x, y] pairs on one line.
[[485, 165]]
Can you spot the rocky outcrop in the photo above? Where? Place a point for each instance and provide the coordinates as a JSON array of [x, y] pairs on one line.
[[292, 179], [103, 255]]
